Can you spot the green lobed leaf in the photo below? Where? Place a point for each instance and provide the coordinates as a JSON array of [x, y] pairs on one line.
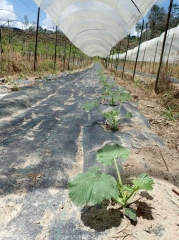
[[122, 89], [129, 115], [111, 114], [108, 153], [92, 187], [144, 182], [124, 97], [88, 106], [130, 213], [107, 92]]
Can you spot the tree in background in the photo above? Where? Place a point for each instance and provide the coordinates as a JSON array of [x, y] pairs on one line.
[[174, 19], [138, 28], [26, 20], [156, 21]]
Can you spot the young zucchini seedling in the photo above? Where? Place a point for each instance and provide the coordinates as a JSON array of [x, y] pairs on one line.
[[94, 186], [112, 117], [111, 95], [102, 78]]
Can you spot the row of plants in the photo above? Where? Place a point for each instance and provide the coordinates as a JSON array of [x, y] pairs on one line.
[[95, 186], [113, 96]]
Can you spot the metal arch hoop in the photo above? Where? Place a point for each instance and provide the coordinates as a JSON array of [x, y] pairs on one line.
[[136, 6], [12, 12]]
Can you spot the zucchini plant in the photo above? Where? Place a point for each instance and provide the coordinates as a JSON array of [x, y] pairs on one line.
[[102, 78], [94, 186], [111, 116], [115, 96]]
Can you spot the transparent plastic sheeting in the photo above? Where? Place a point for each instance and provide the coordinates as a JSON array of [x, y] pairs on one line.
[[151, 50], [95, 26]]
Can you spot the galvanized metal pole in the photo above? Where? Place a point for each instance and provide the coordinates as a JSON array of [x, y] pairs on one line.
[[118, 52], [36, 40], [163, 46], [155, 56], [170, 49], [125, 56], [138, 50], [55, 54], [143, 59]]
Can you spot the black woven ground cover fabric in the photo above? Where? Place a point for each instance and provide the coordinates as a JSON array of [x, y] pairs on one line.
[[43, 140]]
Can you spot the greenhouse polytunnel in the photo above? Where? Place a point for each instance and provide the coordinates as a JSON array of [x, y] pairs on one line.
[[95, 26], [151, 50]]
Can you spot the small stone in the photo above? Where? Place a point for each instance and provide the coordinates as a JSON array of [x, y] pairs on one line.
[[61, 206], [37, 222], [150, 106]]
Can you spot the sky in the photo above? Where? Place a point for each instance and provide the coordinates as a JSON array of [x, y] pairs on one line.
[[22, 8], [29, 8]]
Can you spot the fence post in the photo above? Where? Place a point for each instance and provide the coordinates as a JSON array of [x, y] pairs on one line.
[[64, 57], [36, 40], [138, 50], [73, 60], [112, 51], [143, 59], [125, 56], [118, 52], [163, 46], [69, 57], [8, 32], [55, 54], [170, 49], [1, 41], [150, 65], [155, 56]]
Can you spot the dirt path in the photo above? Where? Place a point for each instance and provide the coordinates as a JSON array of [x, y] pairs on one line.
[[41, 148]]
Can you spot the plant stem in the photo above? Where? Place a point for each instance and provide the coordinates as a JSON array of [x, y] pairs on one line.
[[112, 100], [104, 116], [117, 200], [118, 173], [134, 191], [100, 111]]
